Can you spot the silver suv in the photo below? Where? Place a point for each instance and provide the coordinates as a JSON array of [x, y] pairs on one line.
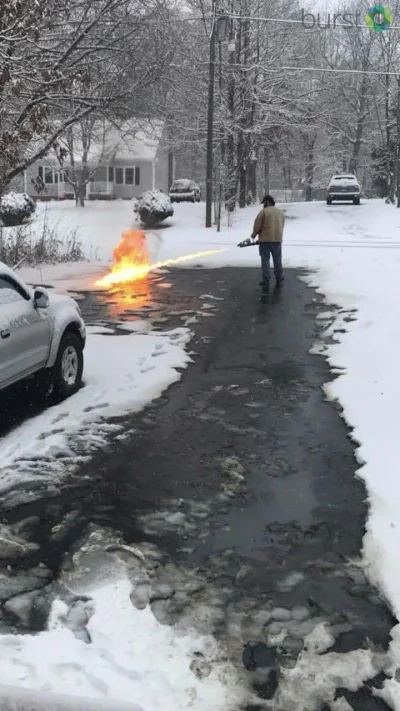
[[39, 331]]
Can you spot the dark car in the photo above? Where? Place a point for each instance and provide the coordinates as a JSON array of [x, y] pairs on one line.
[[344, 187], [184, 190]]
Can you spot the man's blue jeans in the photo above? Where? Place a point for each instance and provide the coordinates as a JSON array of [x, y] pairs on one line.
[[266, 249]]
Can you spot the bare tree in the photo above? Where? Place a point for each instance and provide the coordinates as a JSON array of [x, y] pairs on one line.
[[62, 60]]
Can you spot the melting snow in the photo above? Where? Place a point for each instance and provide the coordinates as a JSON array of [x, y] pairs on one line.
[[122, 375]]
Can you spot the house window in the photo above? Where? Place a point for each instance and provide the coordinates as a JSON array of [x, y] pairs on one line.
[[125, 176], [41, 173], [110, 174], [49, 176]]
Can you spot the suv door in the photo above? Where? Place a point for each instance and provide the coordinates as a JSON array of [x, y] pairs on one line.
[[24, 333]]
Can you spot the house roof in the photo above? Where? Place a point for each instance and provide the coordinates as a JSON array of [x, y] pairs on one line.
[[129, 141], [141, 143]]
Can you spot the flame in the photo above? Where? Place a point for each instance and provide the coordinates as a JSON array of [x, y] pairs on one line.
[[132, 261]]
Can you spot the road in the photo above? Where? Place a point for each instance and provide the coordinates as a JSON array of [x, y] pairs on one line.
[[242, 475]]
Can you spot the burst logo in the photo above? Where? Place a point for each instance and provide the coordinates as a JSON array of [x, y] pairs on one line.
[[379, 18]]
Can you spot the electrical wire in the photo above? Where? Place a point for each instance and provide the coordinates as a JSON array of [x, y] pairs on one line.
[[329, 70], [287, 21]]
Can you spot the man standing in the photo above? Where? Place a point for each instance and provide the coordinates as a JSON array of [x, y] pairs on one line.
[[268, 227]]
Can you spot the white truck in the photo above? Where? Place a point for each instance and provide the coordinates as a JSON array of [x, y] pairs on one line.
[[40, 332]]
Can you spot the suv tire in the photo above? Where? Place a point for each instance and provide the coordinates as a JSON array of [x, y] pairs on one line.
[[68, 368], [356, 201], [329, 201]]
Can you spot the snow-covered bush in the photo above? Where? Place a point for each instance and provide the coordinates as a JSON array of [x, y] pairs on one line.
[[153, 207], [15, 208]]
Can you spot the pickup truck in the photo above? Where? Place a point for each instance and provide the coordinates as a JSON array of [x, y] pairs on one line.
[[40, 332]]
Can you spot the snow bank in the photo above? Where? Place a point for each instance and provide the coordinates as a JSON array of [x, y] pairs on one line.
[[122, 374], [13, 698], [132, 662]]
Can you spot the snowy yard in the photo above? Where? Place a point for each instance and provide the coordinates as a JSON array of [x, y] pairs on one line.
[[352, 255]]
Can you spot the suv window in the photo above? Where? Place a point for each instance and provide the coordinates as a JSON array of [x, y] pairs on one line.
[[10, 291]]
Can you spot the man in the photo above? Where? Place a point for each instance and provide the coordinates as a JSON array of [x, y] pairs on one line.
[[268, 227]]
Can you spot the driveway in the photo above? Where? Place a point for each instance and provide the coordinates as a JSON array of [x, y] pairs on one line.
[[243, 477]]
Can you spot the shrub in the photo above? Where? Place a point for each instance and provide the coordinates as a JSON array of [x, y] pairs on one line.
[[15, 208], [153, 207]]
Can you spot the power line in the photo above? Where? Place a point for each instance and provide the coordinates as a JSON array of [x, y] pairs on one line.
[[331, 70], [287, 21]]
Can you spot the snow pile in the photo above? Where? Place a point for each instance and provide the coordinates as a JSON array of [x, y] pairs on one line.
[[122, 374], [127, 656], [19, 699]]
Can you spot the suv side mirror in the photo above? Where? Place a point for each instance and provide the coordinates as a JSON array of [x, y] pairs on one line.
[[41, 298]]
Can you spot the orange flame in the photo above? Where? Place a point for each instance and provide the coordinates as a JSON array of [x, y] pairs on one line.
[[132, 261]]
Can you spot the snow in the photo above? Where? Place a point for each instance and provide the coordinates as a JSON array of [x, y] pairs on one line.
[[183, 185], [343, 180], [351, 255], [131, 141], [9, 296], [17, 202], [155, 202], [122, 375], [132, 661]]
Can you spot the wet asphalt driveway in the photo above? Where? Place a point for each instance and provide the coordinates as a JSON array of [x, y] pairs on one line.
[[244, 473]]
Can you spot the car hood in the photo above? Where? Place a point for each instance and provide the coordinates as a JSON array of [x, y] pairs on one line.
[[59, 300]]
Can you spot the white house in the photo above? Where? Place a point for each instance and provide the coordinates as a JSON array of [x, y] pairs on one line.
[[122, 162]]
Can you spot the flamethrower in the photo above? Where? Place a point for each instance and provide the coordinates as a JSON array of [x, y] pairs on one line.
[[248, 243]]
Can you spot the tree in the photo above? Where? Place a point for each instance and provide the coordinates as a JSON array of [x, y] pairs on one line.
[[62, 61]]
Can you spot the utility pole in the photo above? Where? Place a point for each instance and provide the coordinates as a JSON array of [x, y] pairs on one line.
[[210, 118], [397, 158]]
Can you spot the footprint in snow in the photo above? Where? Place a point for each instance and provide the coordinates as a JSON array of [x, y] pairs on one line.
[[44, 435], [100, 406], [60, 417]]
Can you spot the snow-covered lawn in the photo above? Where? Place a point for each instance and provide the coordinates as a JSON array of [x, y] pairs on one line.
[[353, 256]]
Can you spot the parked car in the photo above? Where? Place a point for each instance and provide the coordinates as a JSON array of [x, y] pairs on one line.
[[183, 190], [40, 332], [344, 187]]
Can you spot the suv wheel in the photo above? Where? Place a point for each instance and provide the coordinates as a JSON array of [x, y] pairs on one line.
[[329, 201], [356, 201], [68, 368]]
